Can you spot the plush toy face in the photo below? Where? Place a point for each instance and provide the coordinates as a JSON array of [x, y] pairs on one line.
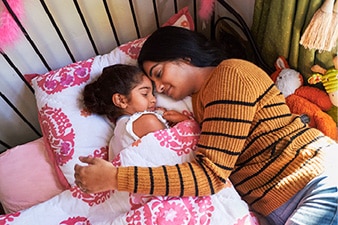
[[288, 80], [329, 78], [334, 98]]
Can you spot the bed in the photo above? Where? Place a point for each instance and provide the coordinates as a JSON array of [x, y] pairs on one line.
[[37, 183]]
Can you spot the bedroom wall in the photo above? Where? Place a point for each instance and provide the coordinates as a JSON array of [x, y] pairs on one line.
[[12, 130]]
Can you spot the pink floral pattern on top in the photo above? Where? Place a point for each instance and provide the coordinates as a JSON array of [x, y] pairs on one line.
[[183, 139], [133, 48], [101, 153], [58, 130], [68, 76], [79, 220], [90, 199], [172, 210], [248, 219], [6, 219]]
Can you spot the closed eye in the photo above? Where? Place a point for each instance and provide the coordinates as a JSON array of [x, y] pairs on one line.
[[158, 74]]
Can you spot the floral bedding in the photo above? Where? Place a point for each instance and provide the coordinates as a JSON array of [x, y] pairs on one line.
[[169, 146]]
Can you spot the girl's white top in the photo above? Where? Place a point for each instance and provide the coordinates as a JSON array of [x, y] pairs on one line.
[[124, 134]]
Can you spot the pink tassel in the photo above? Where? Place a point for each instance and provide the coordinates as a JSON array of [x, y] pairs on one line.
[[206, 9], [9, 30]]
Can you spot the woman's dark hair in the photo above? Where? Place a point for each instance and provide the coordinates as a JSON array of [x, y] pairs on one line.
[[170, 43], [97, 96]]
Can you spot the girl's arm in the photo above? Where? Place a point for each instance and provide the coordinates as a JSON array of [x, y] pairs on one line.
[[147, 123]]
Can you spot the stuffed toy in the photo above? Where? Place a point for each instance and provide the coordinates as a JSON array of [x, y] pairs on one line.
[[304, 100], [329, 78]]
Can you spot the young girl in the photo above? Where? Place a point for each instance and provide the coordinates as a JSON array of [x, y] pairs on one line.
[[125, 94]]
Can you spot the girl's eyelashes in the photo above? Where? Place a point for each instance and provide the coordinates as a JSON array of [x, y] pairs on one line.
[[144, 93], [148, 92]]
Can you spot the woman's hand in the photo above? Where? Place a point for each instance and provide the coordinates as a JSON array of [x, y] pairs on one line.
[[98, 176], [174, 117]]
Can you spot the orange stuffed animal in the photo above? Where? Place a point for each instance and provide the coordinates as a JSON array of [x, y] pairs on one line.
[[301, 100]]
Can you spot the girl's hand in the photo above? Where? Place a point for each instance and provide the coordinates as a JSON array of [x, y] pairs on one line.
[[174, 117], [98, 176]]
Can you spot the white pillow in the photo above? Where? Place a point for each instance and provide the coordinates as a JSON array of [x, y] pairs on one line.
[[68, 130]]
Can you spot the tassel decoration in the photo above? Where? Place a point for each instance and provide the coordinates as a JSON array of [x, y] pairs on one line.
[[9, 30], [333, 30], [316, 33], [206, 9]]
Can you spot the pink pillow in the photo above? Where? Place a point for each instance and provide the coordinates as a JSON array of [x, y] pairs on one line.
[[68, 131], [27, 177]]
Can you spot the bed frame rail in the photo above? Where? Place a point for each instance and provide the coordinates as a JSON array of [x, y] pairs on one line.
[[110, 17], [62, 38]]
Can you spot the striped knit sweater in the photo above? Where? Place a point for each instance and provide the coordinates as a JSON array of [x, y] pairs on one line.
[[248, 135]]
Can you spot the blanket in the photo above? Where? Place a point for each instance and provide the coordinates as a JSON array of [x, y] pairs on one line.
[[164, 147]]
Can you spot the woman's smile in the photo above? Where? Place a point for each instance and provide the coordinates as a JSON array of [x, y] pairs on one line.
[[167, 91]]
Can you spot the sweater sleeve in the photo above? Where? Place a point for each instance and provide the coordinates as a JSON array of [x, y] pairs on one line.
[[225, 107]]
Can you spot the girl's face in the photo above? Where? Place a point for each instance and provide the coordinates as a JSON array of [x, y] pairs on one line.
[[176, 79], [141, 97]]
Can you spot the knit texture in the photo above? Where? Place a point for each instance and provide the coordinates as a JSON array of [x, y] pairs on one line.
[[247, 135]]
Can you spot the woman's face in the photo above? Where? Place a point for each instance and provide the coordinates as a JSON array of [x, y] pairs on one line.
[[141, 97], [175, 79]]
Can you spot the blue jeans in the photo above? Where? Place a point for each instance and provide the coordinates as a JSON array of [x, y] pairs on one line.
[[317, 203]]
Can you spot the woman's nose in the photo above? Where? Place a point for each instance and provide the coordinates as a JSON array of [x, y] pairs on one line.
[[159, 87]]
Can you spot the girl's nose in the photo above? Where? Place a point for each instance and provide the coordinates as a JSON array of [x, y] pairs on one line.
[[153, 99]]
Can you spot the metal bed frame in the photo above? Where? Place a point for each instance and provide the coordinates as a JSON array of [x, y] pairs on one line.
[[238, 22]]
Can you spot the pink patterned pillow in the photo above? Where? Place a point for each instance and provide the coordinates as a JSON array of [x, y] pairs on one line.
[[68, 131], [181, 19]]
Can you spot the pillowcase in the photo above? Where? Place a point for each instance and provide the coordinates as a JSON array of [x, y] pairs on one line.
[[27, 177], [68, 131]]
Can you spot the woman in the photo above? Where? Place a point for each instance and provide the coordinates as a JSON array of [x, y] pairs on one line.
[[248, 134]]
